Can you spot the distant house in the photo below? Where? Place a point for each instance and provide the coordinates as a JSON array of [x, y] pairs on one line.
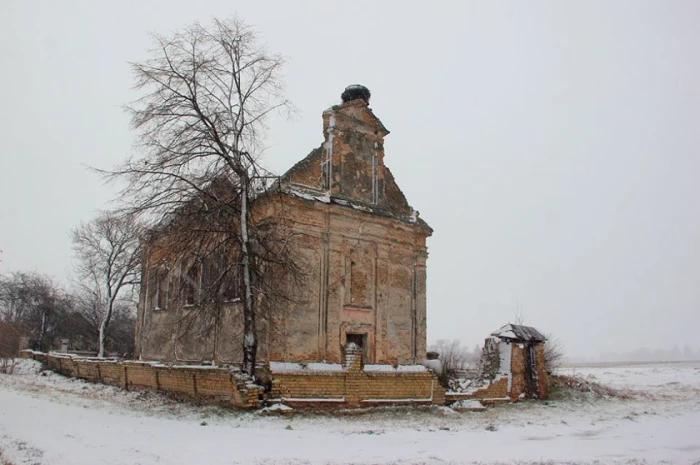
[[360, 246]]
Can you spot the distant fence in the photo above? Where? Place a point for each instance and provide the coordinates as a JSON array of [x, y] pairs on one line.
[[209, 385]]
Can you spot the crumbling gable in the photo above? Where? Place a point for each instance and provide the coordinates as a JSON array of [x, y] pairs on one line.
[[350, 162]]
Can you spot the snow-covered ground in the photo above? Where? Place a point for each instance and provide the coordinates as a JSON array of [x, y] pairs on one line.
[[48, 419]]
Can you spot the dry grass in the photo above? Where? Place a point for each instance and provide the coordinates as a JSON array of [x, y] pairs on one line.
[[7, 366], [3, 460], [577, 385]]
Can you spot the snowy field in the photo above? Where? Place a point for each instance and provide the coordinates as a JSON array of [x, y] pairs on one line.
[[48, 419]]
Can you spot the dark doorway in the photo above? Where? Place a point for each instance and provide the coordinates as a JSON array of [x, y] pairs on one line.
[[530, 375], [358, 339], [361, 341]]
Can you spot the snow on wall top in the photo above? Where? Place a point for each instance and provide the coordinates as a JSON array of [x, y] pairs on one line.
[[325, 197], [287, 367], [391, 368]]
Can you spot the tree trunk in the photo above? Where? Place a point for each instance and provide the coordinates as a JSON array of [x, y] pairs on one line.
[[250, 340], [101, 341], [42, 331], [102, 332]]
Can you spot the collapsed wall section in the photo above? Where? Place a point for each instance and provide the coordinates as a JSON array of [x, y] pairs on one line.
[[509, 371]]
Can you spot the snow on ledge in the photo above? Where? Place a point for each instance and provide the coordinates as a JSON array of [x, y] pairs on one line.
[[508, 335], [313, 399], [468, 404], [374, 368], [285, 366], [289, 367], [198, 367], [378, 368], [319, 366], [395, 401], [412, 368], [434, 365], [277, 408]]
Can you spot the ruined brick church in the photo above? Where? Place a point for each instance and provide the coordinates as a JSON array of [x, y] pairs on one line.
[[361, 246]]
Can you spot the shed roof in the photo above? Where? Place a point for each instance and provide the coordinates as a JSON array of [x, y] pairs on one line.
[[519, 333]]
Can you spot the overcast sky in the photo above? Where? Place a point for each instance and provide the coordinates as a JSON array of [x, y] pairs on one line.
[[553, 146]]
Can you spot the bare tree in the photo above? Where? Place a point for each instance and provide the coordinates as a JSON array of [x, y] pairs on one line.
[[518, 314], [207, 93], [553, 349], [454, 357], [82, 326], [30, 304], [554, 354], [108, 259]]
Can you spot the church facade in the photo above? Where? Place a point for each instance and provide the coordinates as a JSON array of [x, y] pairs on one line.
[[360, 246]]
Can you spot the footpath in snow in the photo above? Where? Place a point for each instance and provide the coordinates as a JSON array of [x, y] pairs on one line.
[[51, 420]]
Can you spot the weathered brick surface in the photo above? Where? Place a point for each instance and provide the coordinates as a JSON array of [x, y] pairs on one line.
[[498, 389], [201, 384], [112, 373], [67, 366], [213, 383], [53, 363], [541, 372], [141, 376], [351, 387], [354, 387], [176, 380], [87, 370], [519, 371]]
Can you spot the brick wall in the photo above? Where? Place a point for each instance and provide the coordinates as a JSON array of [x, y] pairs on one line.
[[517, 368], [542, 377], [519, 371], [355, 387], [496, 391], [351, 387], [210, 385]]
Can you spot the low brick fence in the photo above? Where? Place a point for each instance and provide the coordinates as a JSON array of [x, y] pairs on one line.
[[356, 386], [350, 386], [210, 385]]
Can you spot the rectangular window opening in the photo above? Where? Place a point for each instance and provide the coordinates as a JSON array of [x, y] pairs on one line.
[[232, 287], [191, 285], [161, 288]]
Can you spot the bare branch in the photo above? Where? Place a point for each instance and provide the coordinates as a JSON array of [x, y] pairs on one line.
[[207, 93]]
